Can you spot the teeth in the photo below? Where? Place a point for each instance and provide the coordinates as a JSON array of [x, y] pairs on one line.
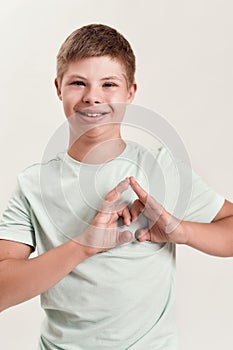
[[93, 114]]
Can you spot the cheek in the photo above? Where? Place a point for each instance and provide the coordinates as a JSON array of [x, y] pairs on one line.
[[69, 102], [120, 97], [68, 108]]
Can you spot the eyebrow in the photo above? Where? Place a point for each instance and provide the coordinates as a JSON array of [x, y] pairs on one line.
[[111, 78], [75, 76]]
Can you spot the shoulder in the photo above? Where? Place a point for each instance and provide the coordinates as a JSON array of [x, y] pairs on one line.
[[31, 176]]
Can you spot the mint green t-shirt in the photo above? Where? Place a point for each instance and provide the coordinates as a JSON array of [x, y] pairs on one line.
[[123, 298]]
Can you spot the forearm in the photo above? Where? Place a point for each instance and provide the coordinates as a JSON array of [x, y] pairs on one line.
[[215, 238], [23, 279]]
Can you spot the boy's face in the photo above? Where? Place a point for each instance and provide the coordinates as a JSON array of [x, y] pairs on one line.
[[90, 89]]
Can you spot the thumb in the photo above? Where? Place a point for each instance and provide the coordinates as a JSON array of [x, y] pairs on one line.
[[123, 237], [142, 235]]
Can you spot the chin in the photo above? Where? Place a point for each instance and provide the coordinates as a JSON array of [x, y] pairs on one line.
[[103, 132]]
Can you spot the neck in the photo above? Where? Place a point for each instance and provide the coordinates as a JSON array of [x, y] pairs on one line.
[[93, 152]]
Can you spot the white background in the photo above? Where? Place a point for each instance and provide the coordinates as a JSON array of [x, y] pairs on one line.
[[184, 55]]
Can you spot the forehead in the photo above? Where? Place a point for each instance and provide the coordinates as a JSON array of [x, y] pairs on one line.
[[97, 67]]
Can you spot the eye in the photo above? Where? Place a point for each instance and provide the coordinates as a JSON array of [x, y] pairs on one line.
[[78, 82], [108, 84]]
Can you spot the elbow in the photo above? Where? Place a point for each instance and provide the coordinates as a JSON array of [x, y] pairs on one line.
[[2, 307], [230, 255], [4, 290], [3, 299], [225, 253]]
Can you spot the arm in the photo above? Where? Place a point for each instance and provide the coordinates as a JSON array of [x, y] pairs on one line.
[[215, 238], [22, 278]]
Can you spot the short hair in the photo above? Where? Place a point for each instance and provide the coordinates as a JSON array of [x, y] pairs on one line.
[[95, 40]]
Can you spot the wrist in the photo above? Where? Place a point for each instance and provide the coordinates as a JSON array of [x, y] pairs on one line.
[[183, 230], [87, 251], [84, 251]]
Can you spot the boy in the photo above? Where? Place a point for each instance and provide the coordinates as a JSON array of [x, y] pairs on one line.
[[101, 289]]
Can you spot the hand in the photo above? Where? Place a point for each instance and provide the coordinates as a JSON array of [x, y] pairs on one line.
[[162, 226], [102, 234]]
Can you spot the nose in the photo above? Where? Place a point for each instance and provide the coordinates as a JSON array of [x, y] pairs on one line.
[[92, 96]]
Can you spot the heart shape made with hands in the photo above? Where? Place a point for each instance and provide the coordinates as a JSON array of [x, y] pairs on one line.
[[141, 221], [118, 222]]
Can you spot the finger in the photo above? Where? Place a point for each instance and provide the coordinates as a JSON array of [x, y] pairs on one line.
[[111, 238], [140, 192], [142, 235], [114, 194], [126, 216], [107, 208], [136, 209], [97, 237], [105, 218], [112, 197], [153, 209], [122, 210]]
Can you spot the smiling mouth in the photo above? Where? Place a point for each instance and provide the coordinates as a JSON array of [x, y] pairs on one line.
[[93, 115]]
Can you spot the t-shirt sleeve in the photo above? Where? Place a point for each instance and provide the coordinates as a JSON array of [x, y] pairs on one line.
[[16, 224], [187, 197], [204, 203]]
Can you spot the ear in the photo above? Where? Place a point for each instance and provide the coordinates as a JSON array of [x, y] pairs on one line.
[[58, 89], [132, 92]]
